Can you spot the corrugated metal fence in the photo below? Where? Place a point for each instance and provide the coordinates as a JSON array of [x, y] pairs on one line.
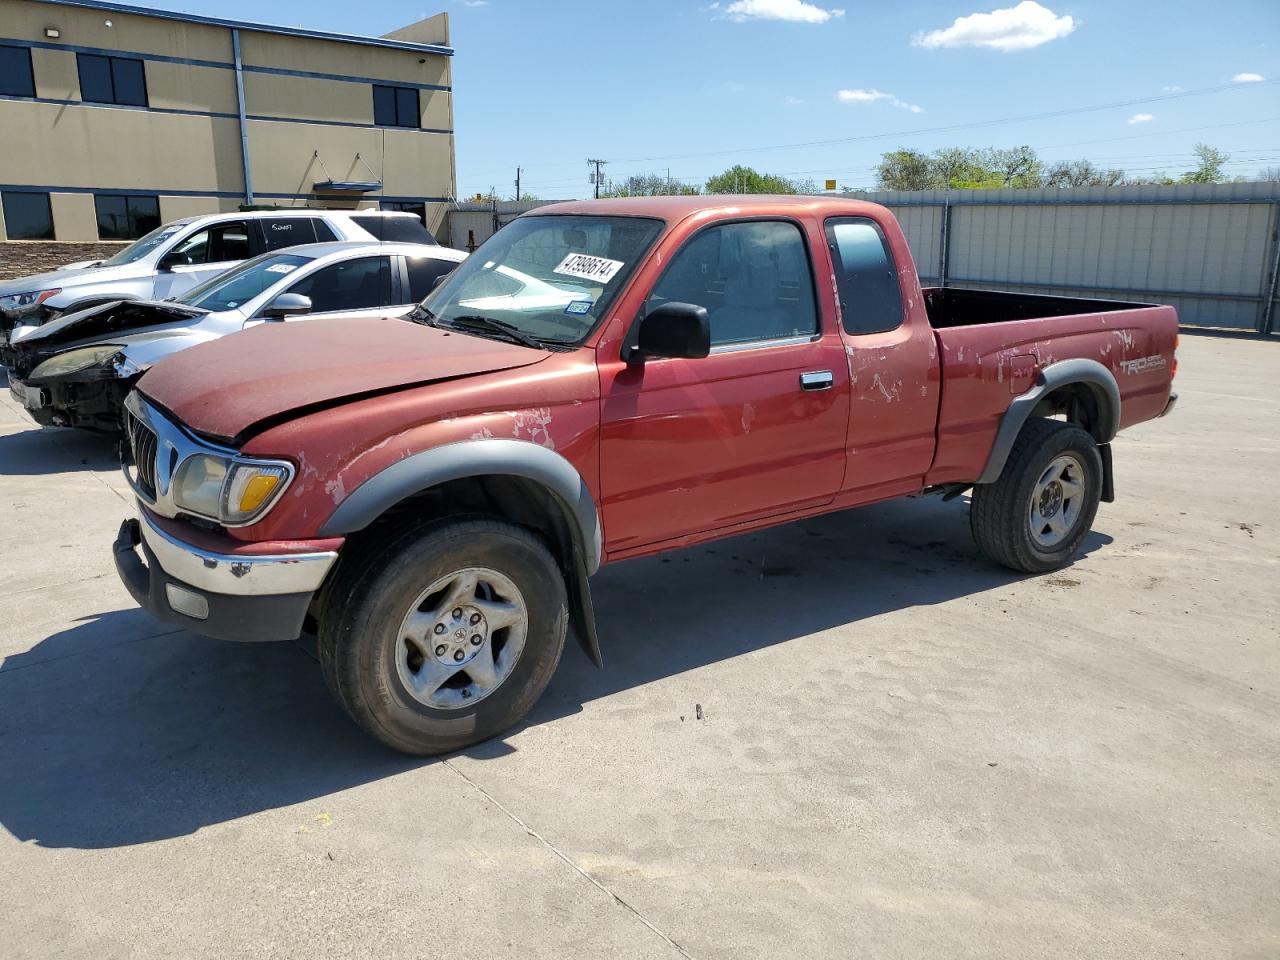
[[1213, 251]]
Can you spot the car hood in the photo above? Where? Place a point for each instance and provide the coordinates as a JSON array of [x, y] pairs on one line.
[[64, 277], [106, 321], [226, 387]]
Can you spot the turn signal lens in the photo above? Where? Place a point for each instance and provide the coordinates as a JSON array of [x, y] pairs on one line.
[[250, 487]]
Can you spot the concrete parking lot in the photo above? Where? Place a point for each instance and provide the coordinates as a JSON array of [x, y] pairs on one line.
[[848, 737]]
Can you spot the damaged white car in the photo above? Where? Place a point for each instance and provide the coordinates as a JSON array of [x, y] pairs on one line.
[[76, 370]]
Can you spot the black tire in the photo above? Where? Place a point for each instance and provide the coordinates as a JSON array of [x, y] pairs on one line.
[[1000, 512], [360, 625]]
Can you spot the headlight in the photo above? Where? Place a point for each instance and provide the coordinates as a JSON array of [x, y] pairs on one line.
[[29, 300], [228, 489], [73, 361]]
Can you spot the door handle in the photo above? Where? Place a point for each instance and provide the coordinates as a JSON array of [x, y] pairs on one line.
[[817, 380]]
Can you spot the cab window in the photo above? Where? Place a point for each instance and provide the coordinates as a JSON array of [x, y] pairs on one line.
[[278, 232], [221, 244], [870, 297], [753, 277]]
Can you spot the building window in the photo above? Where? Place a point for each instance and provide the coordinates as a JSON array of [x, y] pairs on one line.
[[112, 80], [125, 218], [395, 107], [27, 216], [16, 79]]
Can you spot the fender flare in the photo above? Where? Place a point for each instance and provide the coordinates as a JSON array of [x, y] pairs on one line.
[[475, 458], [1091, 373]]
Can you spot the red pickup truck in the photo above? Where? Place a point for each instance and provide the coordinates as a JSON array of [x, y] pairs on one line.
[[604, 380]]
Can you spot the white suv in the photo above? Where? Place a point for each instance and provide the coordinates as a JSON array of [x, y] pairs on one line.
[[177, 256]]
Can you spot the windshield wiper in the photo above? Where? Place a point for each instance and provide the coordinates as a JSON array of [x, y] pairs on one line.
[[420, 314], [476, 322]]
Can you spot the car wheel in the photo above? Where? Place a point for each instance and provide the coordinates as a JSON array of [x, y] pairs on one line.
[[445, 636], [1037, 514]]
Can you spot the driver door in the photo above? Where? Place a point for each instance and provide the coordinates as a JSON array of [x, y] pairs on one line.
[[201, 256]]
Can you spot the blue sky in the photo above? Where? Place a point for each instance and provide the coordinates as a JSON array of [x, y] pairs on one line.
[[693, 86]]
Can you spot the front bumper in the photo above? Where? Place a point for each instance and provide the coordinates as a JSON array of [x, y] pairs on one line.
[[227, 596]]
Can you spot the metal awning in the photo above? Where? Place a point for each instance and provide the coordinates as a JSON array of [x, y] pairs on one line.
[[347, 186]]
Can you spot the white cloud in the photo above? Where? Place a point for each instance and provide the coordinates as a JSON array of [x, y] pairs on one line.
[[1248, 78], [796, 11], [871, 96], [1142, 118], [1013, 28]]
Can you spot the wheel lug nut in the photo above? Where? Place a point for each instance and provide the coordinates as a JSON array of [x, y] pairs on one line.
[[465, 693], [458, 654], [475, 618], [439, 628], [440, 650], [475, 640], [457, 614]]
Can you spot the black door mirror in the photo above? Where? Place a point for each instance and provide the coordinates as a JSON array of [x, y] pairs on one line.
[[678, 330], [287, 305]]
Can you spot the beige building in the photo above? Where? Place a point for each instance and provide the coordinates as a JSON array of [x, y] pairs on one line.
[[116, 118]]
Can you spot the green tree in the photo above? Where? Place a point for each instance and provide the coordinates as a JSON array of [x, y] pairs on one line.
[[740, 179], [1210, 167], [650, 185], [1081, 173], [904, 170]]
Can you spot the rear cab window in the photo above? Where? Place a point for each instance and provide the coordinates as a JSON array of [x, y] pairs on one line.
[[870, 296]]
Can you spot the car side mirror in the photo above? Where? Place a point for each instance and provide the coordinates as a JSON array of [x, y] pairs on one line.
[[287, 305], [167, 263], [674, 329]]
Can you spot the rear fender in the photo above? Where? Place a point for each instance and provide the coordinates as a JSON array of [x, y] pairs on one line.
[[1089, 373]]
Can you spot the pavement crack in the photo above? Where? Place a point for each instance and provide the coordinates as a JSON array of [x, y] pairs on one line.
[[569, 860]]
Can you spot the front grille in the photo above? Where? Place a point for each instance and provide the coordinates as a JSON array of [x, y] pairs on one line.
[[143, 444]]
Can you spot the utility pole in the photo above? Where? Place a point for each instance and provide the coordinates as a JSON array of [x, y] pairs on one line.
[[598, 176], [517, 184]]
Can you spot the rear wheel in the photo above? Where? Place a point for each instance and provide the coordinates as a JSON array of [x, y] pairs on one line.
[[445, 636], [1037, 514]]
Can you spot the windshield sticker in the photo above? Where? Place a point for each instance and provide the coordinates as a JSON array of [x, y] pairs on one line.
[[579, 307], [589, 268], [282, 268]]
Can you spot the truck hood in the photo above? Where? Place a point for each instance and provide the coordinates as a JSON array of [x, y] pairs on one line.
[[226, 387]]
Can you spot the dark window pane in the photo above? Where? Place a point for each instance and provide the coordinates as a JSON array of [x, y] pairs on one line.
[[230, 241], [324, 232], [753, 278], [384, 106], [287, 232], [396, 229], [144, 215], [129, 81], [407, 107], [95, 78], [113, 217], [870, 298], [423, 274], [419, 210], [350, 285], [27, 216], [15, 72]]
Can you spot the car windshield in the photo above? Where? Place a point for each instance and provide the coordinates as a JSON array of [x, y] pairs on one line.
[[550, 277], [236, 287], [141, 247]]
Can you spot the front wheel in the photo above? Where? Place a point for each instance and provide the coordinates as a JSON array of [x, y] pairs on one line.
[[447, 637], [1037, 514]]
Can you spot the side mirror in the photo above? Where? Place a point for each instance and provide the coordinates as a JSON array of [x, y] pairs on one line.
[[674, 329], [168, 262], [287, 305]]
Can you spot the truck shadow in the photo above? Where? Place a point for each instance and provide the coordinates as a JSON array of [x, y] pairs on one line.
[[117, 732]]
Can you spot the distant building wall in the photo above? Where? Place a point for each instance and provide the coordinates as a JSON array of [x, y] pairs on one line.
[[308, 118]]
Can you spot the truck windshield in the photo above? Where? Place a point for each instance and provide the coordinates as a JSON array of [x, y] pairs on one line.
[[141, 247], [236, 287], [550, 277]]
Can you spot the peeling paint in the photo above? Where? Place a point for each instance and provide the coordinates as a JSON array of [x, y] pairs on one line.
[[748, 416], [890, 394], [533, 425], [484, 433]]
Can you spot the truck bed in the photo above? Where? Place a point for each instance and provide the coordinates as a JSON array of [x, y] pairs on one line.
[[953, 307]]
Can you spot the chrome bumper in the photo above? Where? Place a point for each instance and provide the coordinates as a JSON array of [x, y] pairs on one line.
[[246, 576]]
